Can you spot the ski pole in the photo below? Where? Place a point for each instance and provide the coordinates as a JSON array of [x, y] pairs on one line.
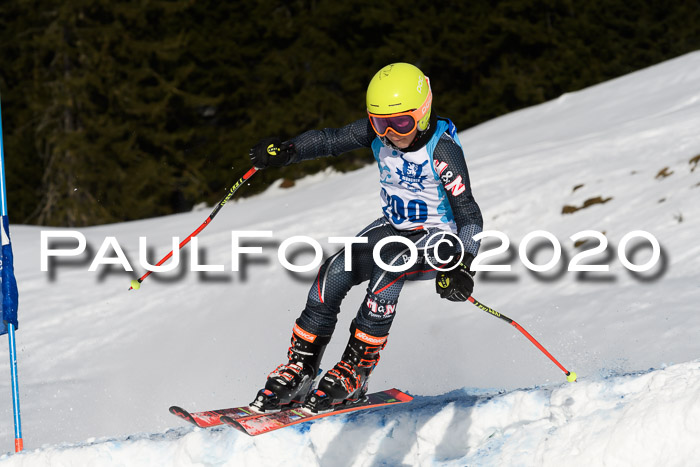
[[570, 375], [136, 283]]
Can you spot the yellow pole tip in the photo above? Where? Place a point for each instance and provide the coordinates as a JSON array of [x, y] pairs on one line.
[[571, 377], [135, 284]]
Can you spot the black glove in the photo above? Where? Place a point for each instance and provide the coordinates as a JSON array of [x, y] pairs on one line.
[[271, 152], [458, 284]]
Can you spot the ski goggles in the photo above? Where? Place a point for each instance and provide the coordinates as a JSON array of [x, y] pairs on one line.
[[401, 123]]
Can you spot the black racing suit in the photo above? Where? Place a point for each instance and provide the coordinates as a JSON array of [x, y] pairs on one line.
[[332, 284]]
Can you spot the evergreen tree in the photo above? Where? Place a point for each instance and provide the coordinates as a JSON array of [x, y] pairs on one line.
[[118, 110]]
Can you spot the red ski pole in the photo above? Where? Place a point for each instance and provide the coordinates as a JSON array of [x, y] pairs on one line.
[[136, 283], [570, 375]]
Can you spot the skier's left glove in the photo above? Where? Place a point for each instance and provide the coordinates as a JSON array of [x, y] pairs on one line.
[[456, 285], [272, 152]]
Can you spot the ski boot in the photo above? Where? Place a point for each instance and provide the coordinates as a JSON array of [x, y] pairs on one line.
[[288, 385], [346, 383]]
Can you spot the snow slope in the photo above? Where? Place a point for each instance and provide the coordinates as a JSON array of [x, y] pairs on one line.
[[97, 361], [651, 418]]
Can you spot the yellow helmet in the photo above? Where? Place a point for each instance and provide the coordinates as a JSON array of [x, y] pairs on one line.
[[400, 87]]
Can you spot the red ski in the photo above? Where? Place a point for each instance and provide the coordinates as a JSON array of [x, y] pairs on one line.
[[264, 423], [212, 417]]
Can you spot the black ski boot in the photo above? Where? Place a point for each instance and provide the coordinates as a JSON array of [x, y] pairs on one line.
[[347, 381], [289, 383]]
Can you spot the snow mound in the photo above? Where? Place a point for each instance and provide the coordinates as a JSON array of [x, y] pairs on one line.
[[650, 418]]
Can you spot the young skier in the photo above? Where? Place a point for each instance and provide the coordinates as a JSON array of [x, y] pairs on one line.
[[425, 196]]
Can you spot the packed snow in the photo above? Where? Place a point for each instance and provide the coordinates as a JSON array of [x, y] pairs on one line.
[[649, 418], [99, 365]]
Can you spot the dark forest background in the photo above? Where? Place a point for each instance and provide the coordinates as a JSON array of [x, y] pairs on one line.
[[119, 110]]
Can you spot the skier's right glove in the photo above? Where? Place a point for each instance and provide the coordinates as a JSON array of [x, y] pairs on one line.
[[456, 285], [271, 152]]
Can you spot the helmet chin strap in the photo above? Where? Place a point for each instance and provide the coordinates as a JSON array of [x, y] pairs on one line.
[[387, 142]]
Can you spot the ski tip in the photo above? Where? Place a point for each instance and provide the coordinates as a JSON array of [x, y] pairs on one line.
[[231, 422], [182, 413]]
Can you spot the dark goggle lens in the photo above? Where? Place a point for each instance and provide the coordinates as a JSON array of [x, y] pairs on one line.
[[380, 124], [401, 124]]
